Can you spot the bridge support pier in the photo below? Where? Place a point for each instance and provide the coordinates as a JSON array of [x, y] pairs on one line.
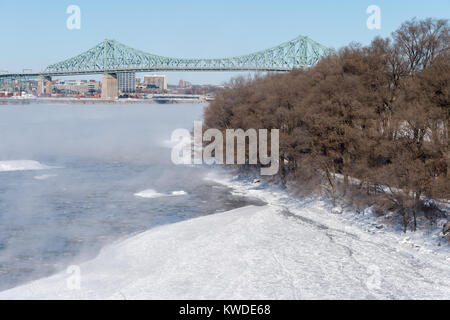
[[110, 88], [44, 86]]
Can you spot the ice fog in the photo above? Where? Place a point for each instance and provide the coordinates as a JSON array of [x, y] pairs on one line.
[[87, 163]]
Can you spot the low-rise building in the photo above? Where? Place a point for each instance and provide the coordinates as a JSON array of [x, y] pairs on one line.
[[156, 81], [77, 86]]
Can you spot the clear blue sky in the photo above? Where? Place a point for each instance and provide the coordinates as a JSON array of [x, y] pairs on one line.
[[33, 34]]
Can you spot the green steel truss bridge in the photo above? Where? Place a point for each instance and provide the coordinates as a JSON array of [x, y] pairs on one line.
[[111, 56]]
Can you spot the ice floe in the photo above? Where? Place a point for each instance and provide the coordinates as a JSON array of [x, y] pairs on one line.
[[150, 193], [22, 165]]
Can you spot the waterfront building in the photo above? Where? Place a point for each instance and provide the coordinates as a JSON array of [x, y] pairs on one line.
[[156, 80], [126, 82], [184, 84], [77, 86]]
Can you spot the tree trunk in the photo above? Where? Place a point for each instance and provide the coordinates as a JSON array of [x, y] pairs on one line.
[[405, 220], [332, 184], [416, 207], [282, 167], [345, 166]]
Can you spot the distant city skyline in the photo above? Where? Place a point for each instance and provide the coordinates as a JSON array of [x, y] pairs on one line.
[[34, 34]]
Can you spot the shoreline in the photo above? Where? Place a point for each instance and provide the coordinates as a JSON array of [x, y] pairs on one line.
[[279, 251], [425, 238], [14, 101]]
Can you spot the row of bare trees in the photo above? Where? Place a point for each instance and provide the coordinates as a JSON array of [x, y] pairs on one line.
[[369, 125]]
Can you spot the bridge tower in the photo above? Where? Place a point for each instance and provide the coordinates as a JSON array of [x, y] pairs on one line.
[[45, 85], [110, 89]]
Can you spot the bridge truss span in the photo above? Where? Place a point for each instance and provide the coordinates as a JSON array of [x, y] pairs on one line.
[[112, 56]]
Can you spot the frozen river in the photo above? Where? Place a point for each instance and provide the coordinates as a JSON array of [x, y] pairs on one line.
[[74, 178]]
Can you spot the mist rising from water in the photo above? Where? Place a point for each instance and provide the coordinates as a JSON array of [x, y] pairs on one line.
[[95, 159]]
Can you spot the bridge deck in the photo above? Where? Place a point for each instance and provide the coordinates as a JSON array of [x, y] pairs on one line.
[[162, 69]]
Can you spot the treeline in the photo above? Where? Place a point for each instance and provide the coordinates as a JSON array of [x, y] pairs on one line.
[[369, 125]]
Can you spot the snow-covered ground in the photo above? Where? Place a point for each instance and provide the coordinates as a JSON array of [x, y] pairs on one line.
[[427, 238], [283, 250]]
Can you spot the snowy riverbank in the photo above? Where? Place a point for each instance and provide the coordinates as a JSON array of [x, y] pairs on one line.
[[270, 252]]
